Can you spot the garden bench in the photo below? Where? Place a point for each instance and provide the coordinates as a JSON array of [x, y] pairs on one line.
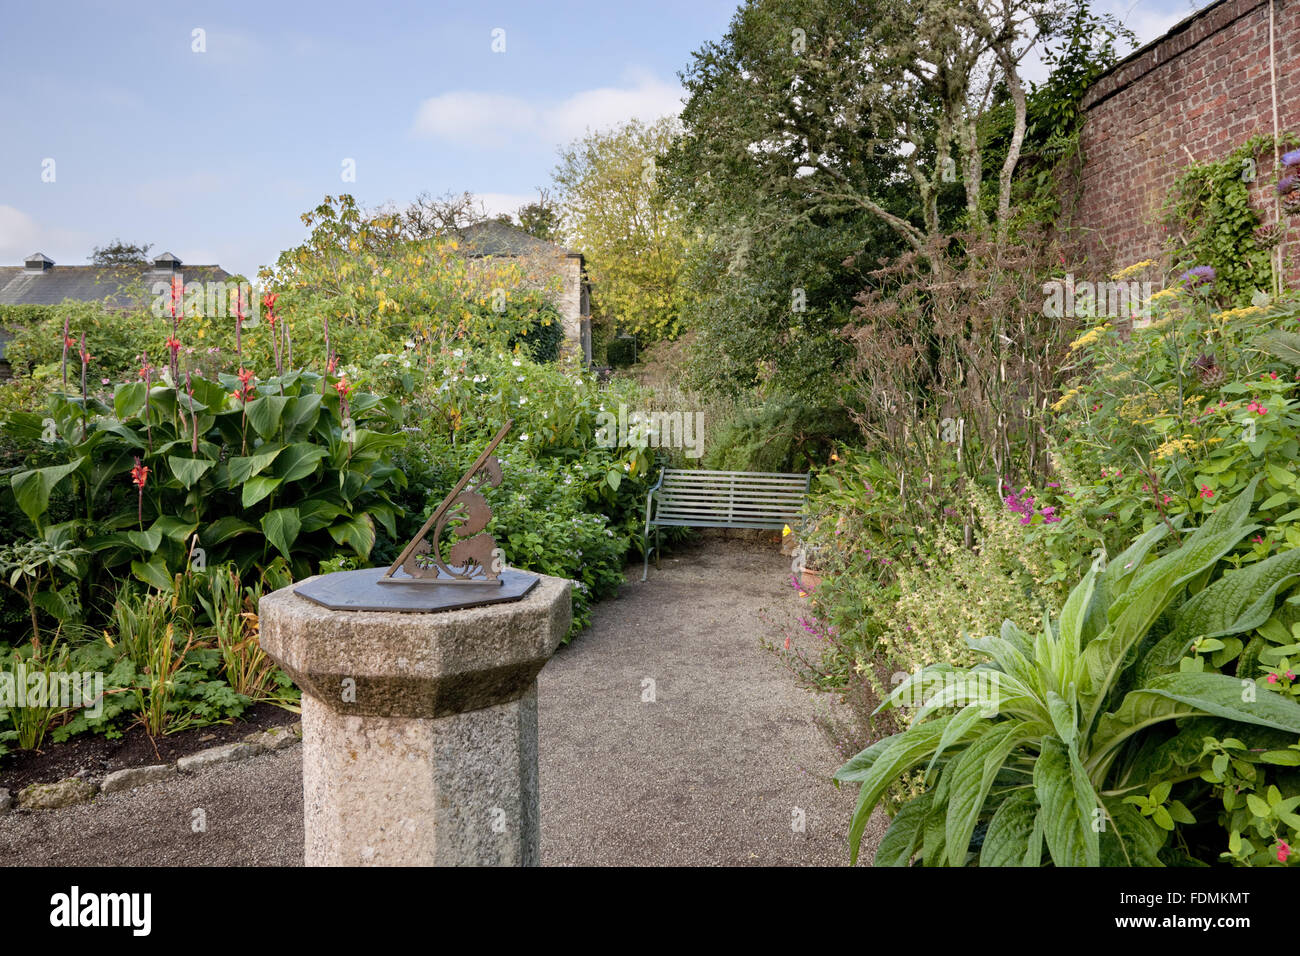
[[692, 498]]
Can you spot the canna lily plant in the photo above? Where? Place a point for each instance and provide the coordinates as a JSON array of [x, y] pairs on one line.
[[1057, 748]]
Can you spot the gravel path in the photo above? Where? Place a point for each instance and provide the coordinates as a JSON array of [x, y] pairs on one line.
[[715, 769]]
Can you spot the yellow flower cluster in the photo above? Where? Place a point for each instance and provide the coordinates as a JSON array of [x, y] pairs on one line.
[[1241, 313], [1134, 269], [1175, 446], [1164, 294], [1087, 338], [1061, 402]]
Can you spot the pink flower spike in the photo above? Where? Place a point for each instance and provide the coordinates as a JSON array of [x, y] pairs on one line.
[[1272, 678]]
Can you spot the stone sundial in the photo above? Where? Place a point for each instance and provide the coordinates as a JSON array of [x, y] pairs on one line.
[[421, 579]]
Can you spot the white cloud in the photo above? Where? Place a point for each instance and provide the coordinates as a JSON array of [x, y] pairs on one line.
[[21, 235], [470, 118]]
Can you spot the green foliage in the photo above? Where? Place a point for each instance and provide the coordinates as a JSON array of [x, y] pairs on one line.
[[782, 435], [1211, 220], [1170, 420], [241, 469], [1048, 742], [632, 233]]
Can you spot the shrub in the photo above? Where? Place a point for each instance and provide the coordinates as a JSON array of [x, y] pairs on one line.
[[1073, 740], [784, 434]]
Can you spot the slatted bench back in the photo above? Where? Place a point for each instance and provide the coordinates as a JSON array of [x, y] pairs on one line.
[[729, 499]]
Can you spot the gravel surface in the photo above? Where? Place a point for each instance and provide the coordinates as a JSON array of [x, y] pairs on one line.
[[716, 769]]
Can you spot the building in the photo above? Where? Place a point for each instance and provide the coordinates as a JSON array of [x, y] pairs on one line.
[[39, 281], [1219, 77], [496, 239]]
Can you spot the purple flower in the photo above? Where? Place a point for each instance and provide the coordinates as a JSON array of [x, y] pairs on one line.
[[1198, 275], [1286, 184], [1292, 158]]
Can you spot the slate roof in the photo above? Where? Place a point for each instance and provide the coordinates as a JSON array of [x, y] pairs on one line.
[[494, 238], [116, 285]]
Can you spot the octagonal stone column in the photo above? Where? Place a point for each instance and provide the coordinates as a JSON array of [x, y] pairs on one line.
[[419, 729]]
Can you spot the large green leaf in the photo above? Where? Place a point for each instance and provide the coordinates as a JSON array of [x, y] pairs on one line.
[[1068, 802], [298, 461], [32, 488], [153, 573], [264, 414], [1075, 612], [257, 488], [1170, 696], [146, 541], [877, 766], [1280, 344], [128, 399], [300, 415], [1151, 591], [317, 513], [1006, 842], [1129, 838], [972, 778], [358, 533], [903, 837], [223, 529], [242, 468], [1237, 603], [281, 527], [189, 470]]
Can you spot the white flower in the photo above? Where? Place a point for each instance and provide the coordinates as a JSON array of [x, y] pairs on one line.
[[523, 401], [519, 379], [516, 363], [523, 437], [458, 353], [546, 414], [410, 344], [406, 363]]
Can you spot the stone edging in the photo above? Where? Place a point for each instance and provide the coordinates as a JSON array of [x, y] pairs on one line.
[[74, 790]]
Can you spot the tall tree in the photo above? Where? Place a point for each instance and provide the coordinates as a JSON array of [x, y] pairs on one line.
[[540, 219], [615, 210], [119, 253]]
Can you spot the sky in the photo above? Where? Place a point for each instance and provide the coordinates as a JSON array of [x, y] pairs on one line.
[[207, 129]]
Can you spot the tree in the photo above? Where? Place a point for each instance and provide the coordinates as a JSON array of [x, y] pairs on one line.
[[633, 234], [540, 219], [119, 253]]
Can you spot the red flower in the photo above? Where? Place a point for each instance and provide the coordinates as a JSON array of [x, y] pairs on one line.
[[343, 388], [1283, 850], [332, 365], [139, 474], [1206, 492], [245, 376]]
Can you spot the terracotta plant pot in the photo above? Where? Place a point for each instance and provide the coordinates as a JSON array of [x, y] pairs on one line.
[[809, 579]]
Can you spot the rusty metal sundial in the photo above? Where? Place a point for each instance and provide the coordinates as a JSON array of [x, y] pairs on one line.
[[471, 575]]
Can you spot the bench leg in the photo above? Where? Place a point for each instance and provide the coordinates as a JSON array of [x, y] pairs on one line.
[[645, 571]]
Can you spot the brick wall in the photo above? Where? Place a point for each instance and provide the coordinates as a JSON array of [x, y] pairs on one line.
[[1196, 93]]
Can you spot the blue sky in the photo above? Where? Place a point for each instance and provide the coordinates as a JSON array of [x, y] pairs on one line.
[[213, 155]]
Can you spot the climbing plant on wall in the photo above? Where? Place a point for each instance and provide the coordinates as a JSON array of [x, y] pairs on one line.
[[1212, 222]]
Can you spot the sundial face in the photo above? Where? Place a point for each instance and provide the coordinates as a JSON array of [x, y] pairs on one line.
[[362, 591], [473, 573]]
